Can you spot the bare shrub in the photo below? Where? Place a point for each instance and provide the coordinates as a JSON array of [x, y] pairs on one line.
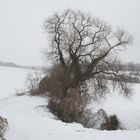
[[70, 108], [32, 82], [112, 123], [100, 120]]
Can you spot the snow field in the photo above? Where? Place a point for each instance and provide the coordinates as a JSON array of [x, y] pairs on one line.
[[28, 120]]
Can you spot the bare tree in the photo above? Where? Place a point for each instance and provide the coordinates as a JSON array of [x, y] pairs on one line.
[[86, 48]]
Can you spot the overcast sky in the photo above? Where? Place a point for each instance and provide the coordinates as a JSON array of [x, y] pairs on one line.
[[22, 38]]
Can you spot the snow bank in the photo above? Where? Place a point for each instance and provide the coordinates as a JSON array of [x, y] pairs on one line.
[[29, 120]]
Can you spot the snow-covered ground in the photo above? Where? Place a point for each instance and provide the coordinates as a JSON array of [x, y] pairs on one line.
[[29, 121]]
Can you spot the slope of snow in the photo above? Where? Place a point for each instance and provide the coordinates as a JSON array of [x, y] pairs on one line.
[[29, 120]]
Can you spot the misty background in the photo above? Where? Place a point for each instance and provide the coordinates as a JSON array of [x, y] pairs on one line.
[[22, 38]]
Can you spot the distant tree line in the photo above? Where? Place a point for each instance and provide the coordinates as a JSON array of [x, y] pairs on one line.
[[131, 67], [11, 64]]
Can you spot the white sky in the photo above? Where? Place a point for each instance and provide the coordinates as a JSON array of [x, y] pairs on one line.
[[22, 38]]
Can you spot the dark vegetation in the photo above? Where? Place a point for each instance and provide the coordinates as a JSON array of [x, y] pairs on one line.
[[112, 123]]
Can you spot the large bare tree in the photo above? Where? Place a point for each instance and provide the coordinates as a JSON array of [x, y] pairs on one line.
[[86, 48]]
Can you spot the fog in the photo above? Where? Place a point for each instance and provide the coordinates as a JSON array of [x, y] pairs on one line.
[[22, 38]]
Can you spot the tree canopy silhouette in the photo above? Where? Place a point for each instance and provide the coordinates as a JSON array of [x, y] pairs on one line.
[[86, 48]]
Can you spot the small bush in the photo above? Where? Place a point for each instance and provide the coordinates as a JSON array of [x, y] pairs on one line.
[[112, 123], [32, 82]]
